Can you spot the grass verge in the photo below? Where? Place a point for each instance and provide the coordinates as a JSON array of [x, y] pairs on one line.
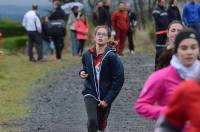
[[16, 78]]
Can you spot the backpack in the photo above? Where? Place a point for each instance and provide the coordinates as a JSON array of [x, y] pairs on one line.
[[56, 27]]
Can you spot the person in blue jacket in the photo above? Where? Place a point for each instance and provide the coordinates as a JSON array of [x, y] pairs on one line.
[[191, 15], [104, 77]]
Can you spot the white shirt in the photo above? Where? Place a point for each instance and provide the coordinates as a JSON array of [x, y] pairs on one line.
[[31, 21]]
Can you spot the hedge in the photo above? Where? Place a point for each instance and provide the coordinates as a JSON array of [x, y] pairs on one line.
[[11, 28], [14, 43]]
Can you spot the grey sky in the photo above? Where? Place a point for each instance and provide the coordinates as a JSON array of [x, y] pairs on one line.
[[24, 2]]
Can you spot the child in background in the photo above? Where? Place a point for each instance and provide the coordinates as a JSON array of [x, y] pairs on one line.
[[81, 27]]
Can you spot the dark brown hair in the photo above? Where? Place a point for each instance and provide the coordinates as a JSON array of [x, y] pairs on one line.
[[111, 43], [34, 6], [171, 2]]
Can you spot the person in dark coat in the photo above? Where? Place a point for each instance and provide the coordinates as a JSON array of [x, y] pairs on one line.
[[132, 25], [173, 11], [101, 14], [58, 39], [161, 23]]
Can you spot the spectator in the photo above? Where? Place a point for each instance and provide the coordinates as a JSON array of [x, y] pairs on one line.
[[161, 24], [45, 37], [32, 24], [71, 25], [120, 25], [81, 26], [160, 86], [101, 15], [58, 16], [191, 15], [132, 24], [173, 11]]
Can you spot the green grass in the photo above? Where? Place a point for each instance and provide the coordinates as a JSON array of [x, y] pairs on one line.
[[16, 80], [143, 44]]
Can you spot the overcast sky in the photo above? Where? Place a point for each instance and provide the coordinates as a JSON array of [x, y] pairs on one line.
[[24, 2]]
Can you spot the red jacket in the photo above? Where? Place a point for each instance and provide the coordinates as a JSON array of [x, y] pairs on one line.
[[120, 20], [81, 27], [185, 106]]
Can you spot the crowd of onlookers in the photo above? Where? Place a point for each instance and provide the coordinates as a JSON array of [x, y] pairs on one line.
[[47, 33]]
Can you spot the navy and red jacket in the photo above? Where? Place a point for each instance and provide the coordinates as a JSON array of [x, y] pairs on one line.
[[161, 22], [111, 75]]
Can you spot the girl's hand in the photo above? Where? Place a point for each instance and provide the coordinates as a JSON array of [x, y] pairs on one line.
[[103, 104], [83, 75]]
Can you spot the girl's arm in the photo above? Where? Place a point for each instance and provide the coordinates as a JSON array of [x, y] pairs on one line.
[[117, 79], [150, 94]]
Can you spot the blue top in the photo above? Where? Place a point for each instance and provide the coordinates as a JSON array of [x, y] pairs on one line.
[[111, 76], [191, 13]]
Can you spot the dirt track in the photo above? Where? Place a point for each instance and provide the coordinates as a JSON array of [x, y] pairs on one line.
[[59, 107]]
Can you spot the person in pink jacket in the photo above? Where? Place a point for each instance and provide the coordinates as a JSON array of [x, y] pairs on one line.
[[81, 27], [160, 86]]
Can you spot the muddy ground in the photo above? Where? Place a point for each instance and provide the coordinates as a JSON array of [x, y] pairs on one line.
[[59, 107]]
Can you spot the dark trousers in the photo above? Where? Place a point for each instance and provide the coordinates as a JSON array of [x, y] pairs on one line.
[[97, 116], [159, 51], [34, 38], [131, 45], [81, 46], [59, 45]]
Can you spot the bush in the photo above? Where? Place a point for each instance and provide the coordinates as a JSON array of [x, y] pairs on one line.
[[14, 43], [11, 28]]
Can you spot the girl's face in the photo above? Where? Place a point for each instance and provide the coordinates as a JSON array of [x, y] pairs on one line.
[[173, 30], [175, 2], [188, 51], [101, 36]]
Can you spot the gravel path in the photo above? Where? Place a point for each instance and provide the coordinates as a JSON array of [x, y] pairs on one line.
[[59, 106]]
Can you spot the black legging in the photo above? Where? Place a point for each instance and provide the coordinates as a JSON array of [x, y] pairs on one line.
[[97, 116], [131, 45], [59, 44]]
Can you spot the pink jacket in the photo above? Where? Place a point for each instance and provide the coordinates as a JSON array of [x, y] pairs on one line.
[[157, 92], [81, 29]]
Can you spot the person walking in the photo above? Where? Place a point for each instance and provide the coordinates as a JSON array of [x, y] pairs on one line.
[[31, 22], [160, 86], [191, 15], [131, 29], [120, 24], [104, 77], [58, 16], [173, 29], [81, 27], [161, 23], [173, 11]]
